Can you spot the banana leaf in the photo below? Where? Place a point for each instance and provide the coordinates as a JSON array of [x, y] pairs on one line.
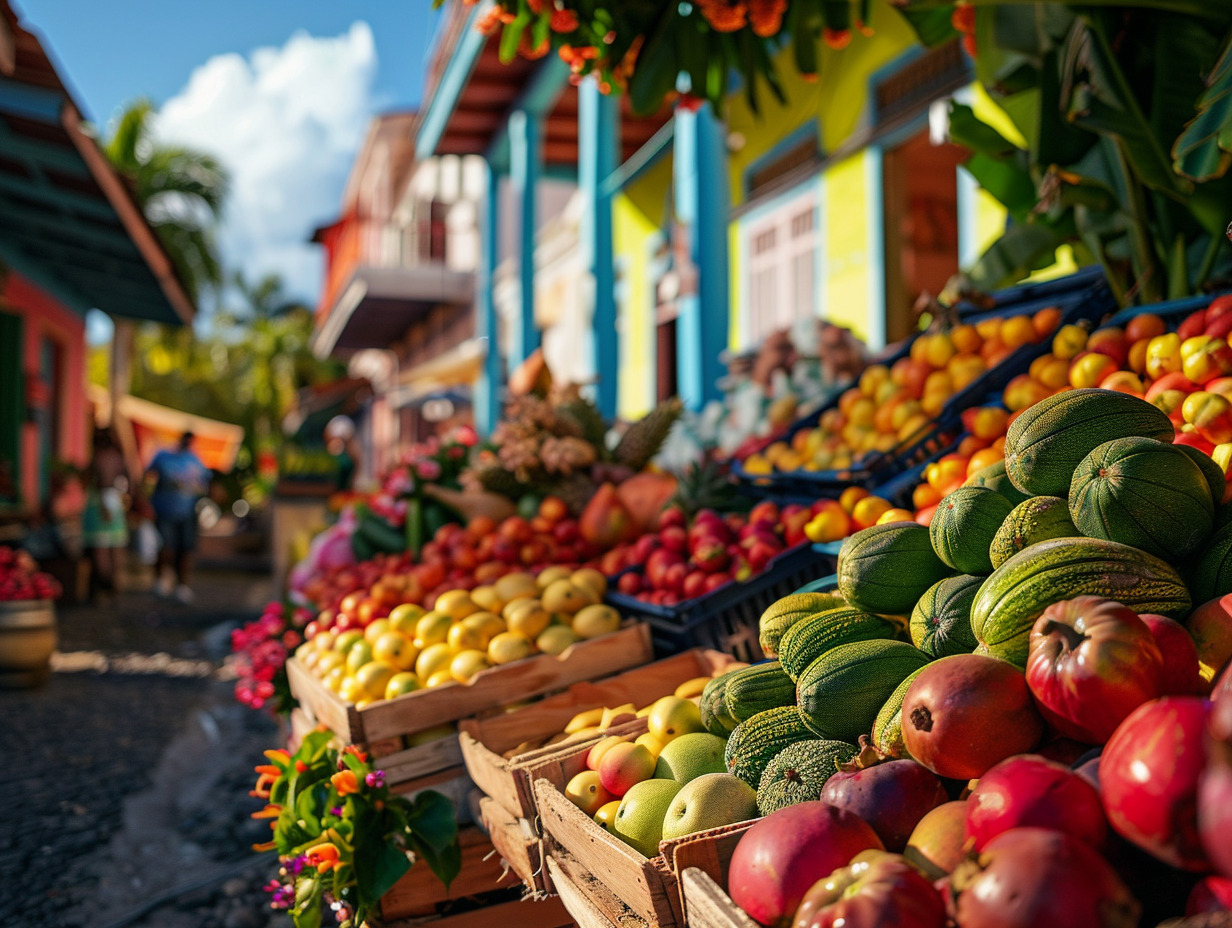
[[1204, 149]]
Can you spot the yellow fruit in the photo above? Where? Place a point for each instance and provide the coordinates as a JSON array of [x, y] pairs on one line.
[[563, 596], [360, 654], [343, 642], [514, 606], [433, 658], [591, 579], [466, 664], [374, 676], [617, 715], [606, 816], [595, 754], [400, 684], [692, 688], [328, 661], [396, 649], [516, 586], [529, 621], [463, 637], [457, 604], [489, 623], [555, 639], [593, 621], [440, 678], [375, 629], [324, 641], [352, 690], [550, 575], [405, 617], [670, 717], [585, 719], [432, 628], [364, 703], [650, 743], [333, 679], [508, 647], [486, 597]]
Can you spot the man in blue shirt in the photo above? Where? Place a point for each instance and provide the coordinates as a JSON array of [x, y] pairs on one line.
[[182, 480]]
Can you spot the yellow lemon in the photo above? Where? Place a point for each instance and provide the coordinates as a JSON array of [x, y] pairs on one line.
[[463, 637], [457, 604], [509, 646], [466, 664], [440, 678], [550, 575], [556, 638], [401, 683], [432, 628], [360, 654], [352, 689], [563, 596], [670, 717], [343, 642], [488, 623], [530, 621], [375, 629], [486, 597], [517, 605], [374, 676], [334, 677], [590, 578], [516, 586], [405, 617], [593, 621], [328, 661], [396, 649], [433, 658], [324, 641]]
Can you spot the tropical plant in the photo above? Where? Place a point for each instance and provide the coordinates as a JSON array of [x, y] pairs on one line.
[[181, 191]]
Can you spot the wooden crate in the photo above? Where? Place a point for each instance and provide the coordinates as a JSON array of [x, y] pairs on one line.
[[706, 905], [516, 913], [708, 852], [419, 892], [485, 741], [570, 884], [489, 689], [517, 843]]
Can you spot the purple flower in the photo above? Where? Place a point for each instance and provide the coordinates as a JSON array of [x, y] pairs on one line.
[[298, 863], [336, 811], [376, 779]]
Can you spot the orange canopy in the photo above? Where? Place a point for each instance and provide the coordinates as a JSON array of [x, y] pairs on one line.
[[155, 427]]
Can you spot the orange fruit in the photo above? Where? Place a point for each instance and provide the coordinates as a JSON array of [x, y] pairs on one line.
[[868, 510], [925, 495], [1045, 322], [1017, 331], [850, 496]]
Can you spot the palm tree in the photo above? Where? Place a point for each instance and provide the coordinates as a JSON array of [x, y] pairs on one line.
[[181, 190]]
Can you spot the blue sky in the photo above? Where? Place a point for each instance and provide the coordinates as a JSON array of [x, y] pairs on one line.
[[280, 91]]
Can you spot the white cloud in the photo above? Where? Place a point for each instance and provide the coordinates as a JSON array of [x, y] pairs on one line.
[[286, 122]]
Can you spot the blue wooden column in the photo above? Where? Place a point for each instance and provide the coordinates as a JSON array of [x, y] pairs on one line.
[[525, 167], [598, 136], [487, 390], [700, 181]]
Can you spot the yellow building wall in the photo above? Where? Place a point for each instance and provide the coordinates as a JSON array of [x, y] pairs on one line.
[[846, 274]]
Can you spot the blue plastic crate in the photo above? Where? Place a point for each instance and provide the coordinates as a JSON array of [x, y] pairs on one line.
[[727, 619], [1083, 296]]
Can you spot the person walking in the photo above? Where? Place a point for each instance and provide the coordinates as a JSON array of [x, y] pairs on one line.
[[104, 522], [181, 480]]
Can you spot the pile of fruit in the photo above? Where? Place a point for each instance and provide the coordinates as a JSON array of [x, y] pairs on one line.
[[934, 703], [20, 578], [890, 406], [365, 657]]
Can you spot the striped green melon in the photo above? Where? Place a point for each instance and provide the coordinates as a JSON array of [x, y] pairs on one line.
[[1215, 477], [842, 691], [964, 525], [888, 726], [995, 478], [786, 612], [799, 771], [713, 706], [1144, 493], [1037, 519], [941, 620], [1211, 576], [756, 741], [1047, 441], [754, 689], [886, 568], [809, 638], [1013, 596]]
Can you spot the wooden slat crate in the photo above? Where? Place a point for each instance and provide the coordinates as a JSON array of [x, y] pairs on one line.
[[708, 851], [516, 843], [516, 913], [567, 880], [485, 741], [706, 905], [419, 892]]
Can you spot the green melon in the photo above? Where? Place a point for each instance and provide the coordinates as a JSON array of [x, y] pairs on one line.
[[941, 620], [1215, 477], [1144, 493], [886, 568], [713, 706], [756, 741], [965, 524], [754, 689], [843, 690], [1047, 442], [786, 612], [995, 478], [799, 771], [1034, 520], [888, 726], [1211, 576], [809, 638]]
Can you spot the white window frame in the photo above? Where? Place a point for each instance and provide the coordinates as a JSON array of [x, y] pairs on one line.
[[770, 274]]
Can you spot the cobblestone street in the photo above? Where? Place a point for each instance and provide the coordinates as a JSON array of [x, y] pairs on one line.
[[130, 770]]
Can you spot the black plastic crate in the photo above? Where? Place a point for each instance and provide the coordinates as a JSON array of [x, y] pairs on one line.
[[727, 619]]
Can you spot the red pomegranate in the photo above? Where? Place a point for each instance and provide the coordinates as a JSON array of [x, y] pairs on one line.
[[1091, 663], [1030, 791], [1210, 894], [1032, 877], [1215, 785], [936, 845], [1182, 674], [1148, 779], [1210, 627], [891, 795], [783, 855], [966, 712], [877, 889]]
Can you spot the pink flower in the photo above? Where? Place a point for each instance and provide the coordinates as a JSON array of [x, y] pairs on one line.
[[428, 469]]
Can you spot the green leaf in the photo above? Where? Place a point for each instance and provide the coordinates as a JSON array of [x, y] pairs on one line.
[[1025, 247], [446, 863], [378, 864], [309, 893], [1204, 9], [970, 131], [654, 73], [433, 818], [1204, 149], [1008, 182]]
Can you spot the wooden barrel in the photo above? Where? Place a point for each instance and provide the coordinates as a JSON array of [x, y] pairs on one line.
[[27, 639]]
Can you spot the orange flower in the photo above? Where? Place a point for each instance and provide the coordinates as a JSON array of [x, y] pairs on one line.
[[766, 16], [270, 811], [323, 856], [356, 752], [345, 782], [564, 21], [724, 15], [489, 22], [837, 38]]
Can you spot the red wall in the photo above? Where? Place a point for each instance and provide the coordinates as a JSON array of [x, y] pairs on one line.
[[45, 317]]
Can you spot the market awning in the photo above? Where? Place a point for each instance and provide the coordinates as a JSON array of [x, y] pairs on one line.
[[70, 222], [460, 366], [378, 304], [155, 427]]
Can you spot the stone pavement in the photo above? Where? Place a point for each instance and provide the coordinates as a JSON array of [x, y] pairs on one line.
[[128, 773]]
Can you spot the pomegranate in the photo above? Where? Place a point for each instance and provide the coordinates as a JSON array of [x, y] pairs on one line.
[[1031, 877], [1031, 791], [891, 795], [1210, 627], [1210, 894], [1091, 663], [780, 857], [936, 846], [1148, 779], [966, 712], [1215, 785], [1182, 674], [876, 889]]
